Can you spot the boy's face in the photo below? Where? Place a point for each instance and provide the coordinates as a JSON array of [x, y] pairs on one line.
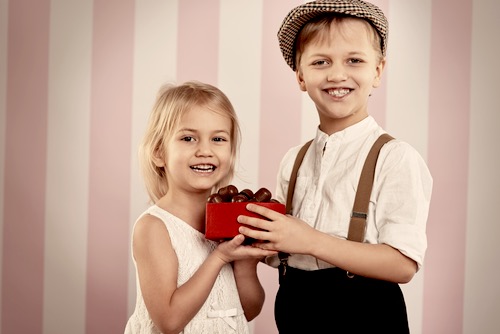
[[339, 70]]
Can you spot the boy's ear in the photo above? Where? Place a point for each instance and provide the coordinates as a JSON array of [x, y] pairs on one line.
[[300, 80], [158, 158], [379, 70]]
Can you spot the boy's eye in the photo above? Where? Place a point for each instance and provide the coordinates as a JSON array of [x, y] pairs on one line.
[[354, 61], [320, 62]]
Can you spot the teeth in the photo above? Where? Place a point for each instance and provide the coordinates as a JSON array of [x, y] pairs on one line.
[[203, 168], [338, 92]]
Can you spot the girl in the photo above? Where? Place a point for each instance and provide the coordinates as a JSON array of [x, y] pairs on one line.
[[186, 283]]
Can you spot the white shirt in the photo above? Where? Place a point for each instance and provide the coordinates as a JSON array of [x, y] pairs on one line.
[[326, 186]]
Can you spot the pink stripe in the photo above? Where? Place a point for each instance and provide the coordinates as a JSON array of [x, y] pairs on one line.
[[280, 96], [198, 41], [448, 161], [109, 188], [280, 117], [25, 166]]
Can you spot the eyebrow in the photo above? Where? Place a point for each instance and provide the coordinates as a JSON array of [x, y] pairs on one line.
[[195, 130]]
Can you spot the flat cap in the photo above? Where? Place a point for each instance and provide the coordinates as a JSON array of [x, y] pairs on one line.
[[300, 15]]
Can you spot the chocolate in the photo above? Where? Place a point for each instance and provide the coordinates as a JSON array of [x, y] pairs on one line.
[[247, 193], [239, 198], [228, 192], [263, 195], [215, 198]]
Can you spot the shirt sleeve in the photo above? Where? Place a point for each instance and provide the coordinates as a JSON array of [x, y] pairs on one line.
[[402, 200]]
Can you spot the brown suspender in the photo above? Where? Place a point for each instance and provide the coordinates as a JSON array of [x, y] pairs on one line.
[[357, 225]]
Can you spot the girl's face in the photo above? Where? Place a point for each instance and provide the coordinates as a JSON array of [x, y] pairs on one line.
[[199, 154], [339, 71]]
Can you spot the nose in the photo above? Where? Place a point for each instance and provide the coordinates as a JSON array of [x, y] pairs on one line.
[[204, 148], [337, 72]]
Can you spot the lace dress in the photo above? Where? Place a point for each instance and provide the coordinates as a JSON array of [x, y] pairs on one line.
[[221, 312]]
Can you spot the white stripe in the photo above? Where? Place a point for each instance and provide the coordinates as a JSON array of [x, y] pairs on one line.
[[482, 273], [407, 71], [407, 104], [239, 77], [155, 62], [67, 166]]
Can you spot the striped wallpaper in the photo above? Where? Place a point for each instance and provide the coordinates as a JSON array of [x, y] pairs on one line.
[[78, 78]]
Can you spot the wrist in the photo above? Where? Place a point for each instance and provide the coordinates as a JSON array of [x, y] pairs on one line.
[[220, 257]]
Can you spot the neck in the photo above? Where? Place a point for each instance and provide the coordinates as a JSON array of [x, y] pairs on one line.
[[190, 209]]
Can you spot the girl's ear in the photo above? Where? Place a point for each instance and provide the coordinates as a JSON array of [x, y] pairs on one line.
[[300, 80], [158, 158]]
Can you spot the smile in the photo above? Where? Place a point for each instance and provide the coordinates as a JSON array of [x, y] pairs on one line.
[[339, 92], [203, 168]]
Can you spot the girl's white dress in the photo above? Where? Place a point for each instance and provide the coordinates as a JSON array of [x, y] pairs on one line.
[[221, 312]]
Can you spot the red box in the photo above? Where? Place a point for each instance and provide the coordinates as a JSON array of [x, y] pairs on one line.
[[220, 219]]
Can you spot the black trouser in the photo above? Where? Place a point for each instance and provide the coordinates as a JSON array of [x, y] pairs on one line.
[[327, 301]]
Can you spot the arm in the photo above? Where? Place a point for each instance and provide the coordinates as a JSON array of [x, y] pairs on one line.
[[292, 235], [250, 290], [402, 203], [169, 306]]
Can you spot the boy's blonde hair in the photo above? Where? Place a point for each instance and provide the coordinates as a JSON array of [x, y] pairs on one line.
[[319, 29], [171, 103]]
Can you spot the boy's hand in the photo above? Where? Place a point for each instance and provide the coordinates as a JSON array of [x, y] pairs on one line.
[[282, 232]]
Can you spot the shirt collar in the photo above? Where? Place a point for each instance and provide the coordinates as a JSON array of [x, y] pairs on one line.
[[349, 134]]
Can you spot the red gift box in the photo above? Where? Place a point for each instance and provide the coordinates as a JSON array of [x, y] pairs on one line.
[[220, 219]]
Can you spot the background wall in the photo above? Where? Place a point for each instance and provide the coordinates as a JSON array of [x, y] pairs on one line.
[[78, 78]]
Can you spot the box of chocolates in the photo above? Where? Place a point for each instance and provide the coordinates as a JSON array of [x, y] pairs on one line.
[[224, 207]]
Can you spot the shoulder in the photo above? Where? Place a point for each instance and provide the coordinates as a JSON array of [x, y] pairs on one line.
[[291, 154], [398, 150], [150, 239], [149, 229], [288, 161], [401, 158]]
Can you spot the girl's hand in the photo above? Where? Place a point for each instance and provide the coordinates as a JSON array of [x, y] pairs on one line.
[[233, 250]]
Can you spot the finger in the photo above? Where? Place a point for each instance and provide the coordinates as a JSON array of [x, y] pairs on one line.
[[252, 233], [261, 252], [255, 222], [238, 239], [263, 211], [268, 247]]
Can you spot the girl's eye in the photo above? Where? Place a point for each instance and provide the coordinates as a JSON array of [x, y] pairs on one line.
[[187, 138], [219, 139]]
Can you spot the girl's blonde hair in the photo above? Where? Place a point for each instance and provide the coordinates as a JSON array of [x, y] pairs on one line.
[[171, 103]]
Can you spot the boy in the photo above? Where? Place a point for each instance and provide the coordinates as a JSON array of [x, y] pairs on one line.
[[329, 283]]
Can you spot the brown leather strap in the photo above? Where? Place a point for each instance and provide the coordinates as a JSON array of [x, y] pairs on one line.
[[291, 188], [357, 225], [293, 176]]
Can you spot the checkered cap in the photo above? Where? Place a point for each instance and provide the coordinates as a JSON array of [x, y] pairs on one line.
[[298, 16]]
